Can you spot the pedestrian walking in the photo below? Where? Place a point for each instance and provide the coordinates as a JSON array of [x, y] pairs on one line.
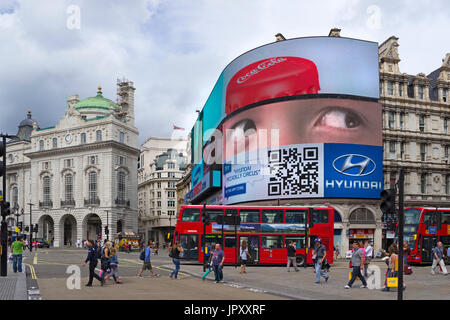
[[105, 258], [321, 253], [147, 264], [156, 247], [218, 257], [114, 265], [369, 255], [392, 266], [291, 249], [357, 265], [17, 251], [93, 260], [243, 255], [438, 259], [174, 253]]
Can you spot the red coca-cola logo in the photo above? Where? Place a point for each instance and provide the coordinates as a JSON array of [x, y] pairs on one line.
[[262, 66]]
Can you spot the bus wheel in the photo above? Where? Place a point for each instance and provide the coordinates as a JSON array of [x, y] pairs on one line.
[[300, 260]]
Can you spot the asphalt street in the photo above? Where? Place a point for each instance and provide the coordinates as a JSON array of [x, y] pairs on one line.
[[261, 282]]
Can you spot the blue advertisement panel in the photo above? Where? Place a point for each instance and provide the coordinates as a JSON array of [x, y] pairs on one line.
[[353, 171], [330, 170]]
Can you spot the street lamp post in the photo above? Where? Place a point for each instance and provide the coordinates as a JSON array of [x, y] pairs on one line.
[[31, 227]]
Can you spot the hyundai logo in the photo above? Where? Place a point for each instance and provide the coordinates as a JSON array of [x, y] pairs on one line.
[[361, 165]]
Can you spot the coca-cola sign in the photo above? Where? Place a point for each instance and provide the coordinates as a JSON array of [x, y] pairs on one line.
[[262, 66]]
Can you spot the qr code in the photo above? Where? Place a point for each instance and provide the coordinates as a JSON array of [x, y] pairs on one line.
[[293, 171]]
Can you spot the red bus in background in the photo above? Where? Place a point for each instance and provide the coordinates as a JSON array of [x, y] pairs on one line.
[[424, 227], [266, 229]]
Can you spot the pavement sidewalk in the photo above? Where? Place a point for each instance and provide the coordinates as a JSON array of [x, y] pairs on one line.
[[300, 285], [14, 285]]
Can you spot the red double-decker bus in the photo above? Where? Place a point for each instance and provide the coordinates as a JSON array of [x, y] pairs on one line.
[[266, 230], [424, 227]]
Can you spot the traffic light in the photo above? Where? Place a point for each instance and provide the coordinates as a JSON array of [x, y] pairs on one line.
[[20, 226], [388, 201], [36, 228], [27, 228], [106, 230], [205, 218], [6, 209]]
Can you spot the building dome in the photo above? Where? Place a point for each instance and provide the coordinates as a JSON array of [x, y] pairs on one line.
[[96, 104]]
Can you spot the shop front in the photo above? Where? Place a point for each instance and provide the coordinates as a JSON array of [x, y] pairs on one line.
[[361, 235]]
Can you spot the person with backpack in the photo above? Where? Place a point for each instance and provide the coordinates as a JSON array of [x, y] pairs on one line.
[[93, 260], [147, 265], [357, 265], [320, 253], [174, 253]]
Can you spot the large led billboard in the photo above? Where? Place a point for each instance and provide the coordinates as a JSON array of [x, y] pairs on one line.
[[296, 119]]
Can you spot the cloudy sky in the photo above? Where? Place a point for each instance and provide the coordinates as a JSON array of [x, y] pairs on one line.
[[174, 50]]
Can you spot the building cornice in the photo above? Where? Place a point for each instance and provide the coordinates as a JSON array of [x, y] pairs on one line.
[[83, 148]]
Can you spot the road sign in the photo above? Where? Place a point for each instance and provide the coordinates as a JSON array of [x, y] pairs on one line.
[[432, 230]]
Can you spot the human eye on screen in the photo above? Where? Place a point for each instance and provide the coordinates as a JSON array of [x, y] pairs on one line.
[[339, 118], [244, 125]]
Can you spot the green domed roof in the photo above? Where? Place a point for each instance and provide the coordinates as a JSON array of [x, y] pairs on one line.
[[97, 102]]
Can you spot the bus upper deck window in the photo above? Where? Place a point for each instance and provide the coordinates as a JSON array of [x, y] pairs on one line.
[[191, 215]]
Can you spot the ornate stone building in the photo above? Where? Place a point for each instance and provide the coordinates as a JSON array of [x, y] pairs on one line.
[[416, 113], [81, 174], [162, 163]]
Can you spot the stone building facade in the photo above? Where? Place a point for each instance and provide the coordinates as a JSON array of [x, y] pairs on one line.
[[162, 163], [81, 174], [416, 114]]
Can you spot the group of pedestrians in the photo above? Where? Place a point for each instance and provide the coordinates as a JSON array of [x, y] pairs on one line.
[[108, 262]]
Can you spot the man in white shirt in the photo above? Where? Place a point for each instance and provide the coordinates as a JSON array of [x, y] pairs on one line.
[[369, 254]]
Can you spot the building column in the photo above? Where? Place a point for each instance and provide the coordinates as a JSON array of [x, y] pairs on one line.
[[377, 239], [58, 243]]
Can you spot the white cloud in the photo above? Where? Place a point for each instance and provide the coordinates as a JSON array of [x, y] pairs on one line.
[[174, 51]]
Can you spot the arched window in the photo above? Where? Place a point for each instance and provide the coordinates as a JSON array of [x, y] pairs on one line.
[[68, 182], [361, 216], [41, 144], [15, 196], [99, 135], [83, 138], [55, 143], [47, 190], [337, 216], [92, 186], [121, 186]]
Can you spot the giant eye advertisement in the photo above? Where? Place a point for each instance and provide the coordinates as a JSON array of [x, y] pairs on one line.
[[298, 119]]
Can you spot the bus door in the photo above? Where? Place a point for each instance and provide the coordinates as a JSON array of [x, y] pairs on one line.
[[428, 243], [253, 247], [189, 243]]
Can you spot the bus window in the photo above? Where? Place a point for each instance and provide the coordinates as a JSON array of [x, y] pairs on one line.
[[249, 215], [412, 216], [271, 242], [230, 241], [299, 241], [213, 213], [320, 216], [231, 212], [445, 217], [311, 241], [191, 215], [295, 216], [272, 216]]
